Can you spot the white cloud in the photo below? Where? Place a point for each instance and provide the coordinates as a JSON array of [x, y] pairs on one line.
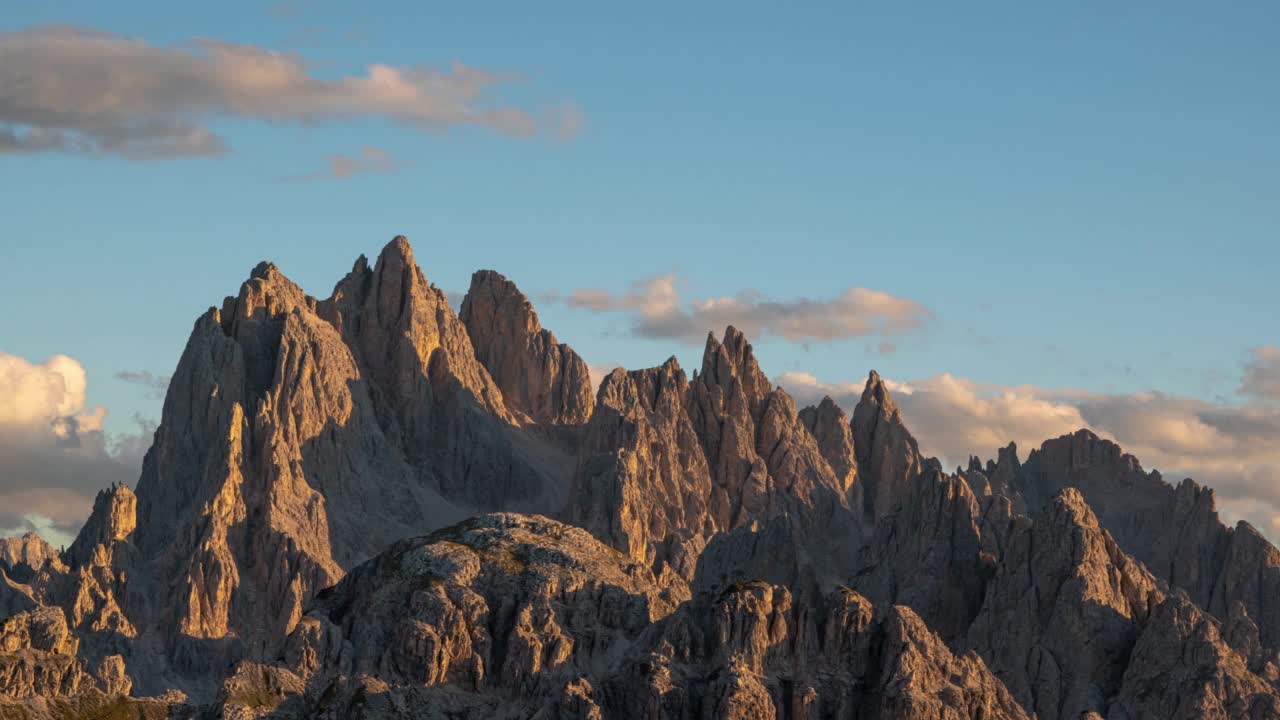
[[658, 311], [80, 90], [54, 455], [1234, 449]]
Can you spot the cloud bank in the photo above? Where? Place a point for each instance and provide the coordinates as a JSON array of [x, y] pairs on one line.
[[1233, 448], [54, 455], [656, 310], [79, 90]]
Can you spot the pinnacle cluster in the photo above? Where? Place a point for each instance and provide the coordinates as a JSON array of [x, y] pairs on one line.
[[372, 506]]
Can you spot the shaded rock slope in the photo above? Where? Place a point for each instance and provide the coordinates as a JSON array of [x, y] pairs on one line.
[[370, 506]]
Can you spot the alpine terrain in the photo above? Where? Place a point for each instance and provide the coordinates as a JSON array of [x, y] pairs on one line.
[[373, 506]]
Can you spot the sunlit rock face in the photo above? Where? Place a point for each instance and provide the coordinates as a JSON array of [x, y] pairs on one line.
[[372, 506], [539, 376]]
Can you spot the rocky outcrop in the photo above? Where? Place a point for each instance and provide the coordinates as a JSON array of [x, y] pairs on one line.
[[22, 557], [1133, 505], [760, 454], [517, 615], [642, 483], [15, 597], [291, 423], [1181, 668], [113, 519], [725, 401], [754, 652], [539, 376], [936, 553], [998, 478], [38, 659], [1063, 612], [668, 463], [726, 555], [888, 456], [1233, 573], [833, 432], [514, 608]]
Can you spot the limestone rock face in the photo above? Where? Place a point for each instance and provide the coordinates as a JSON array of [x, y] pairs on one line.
[[523, 616], [114, 518], [15, 597], [1233, 573], [754, 652], [1063, 612], [935, 554], [298, 438], [434, 400], [21, 557], [834, 435], [541, 377], [998, 478], [725, 402], [888, 457], [508, 606], [1181, 667], [668, 463], [1130, 503], [38, 659], [297, 546], [642, 484]]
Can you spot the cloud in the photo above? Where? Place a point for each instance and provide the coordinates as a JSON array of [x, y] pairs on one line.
[[657, 311], [1234, 449], [370, 160], [79, 90], [566, 121], [1261, 381], [54, 455], [954, 417], [156, 385]]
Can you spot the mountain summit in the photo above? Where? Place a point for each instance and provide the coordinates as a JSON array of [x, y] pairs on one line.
[[370, 506]]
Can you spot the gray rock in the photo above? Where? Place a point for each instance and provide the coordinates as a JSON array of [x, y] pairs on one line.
[[541, 377]]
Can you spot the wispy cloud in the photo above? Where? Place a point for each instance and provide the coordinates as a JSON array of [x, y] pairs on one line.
[[80, 90], [155, 384], [657, 310], [1261, 381], [370, 160]]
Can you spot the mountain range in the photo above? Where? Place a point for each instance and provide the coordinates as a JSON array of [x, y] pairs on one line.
[[373, 506]]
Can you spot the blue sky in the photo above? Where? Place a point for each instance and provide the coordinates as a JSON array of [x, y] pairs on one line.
[[1084, 196]]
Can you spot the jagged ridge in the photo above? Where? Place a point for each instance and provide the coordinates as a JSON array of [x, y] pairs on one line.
[[793, 563]]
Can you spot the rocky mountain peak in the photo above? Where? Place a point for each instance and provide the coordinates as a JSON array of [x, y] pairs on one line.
[[541, 377], [297, 544], [28, 553], [732, 363], [113, 519], [833, 432], [876, 393], [889, 458]]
